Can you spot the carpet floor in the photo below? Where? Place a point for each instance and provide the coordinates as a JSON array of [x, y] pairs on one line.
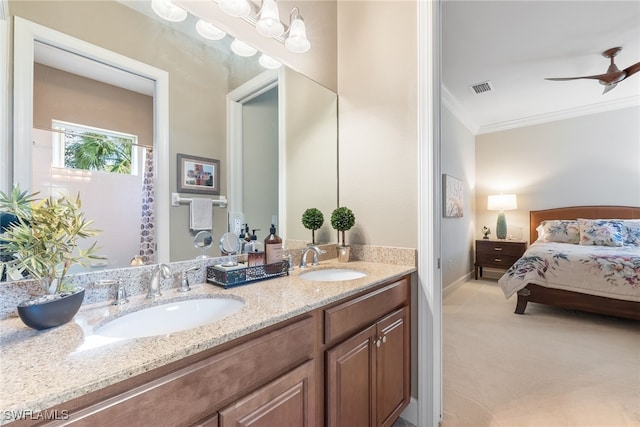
[[548, 368]]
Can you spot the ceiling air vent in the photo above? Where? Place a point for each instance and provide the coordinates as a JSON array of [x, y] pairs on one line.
[[483, 87]]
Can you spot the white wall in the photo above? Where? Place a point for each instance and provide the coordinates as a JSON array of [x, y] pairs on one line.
[[377, 85], [458, 160], [588, 160]]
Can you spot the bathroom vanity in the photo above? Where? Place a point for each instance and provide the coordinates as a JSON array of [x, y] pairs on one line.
[[300, 353]]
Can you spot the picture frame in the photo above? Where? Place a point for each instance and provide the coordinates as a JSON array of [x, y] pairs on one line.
[[198, 175], [453, 190]]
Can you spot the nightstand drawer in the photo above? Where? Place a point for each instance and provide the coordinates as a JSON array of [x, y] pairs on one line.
[[496, 260], [500, 248]]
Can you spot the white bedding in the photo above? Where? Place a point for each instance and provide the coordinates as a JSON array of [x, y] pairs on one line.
[[612, 272]]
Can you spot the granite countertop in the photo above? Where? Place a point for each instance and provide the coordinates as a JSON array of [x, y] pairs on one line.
[[41, 369]]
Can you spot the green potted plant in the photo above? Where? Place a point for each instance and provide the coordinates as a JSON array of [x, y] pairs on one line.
[[43, 242], [312, 219], [342, 219]]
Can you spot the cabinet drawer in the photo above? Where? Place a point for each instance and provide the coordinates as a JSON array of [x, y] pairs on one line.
[[344, 319], [196, 391], [500, 248], [496, 260]]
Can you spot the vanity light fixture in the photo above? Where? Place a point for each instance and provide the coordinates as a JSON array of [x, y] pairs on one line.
[[297, 41], [237, 8], [209, 31], [269, 63], [269, 24], [240, 48], [169, 11]]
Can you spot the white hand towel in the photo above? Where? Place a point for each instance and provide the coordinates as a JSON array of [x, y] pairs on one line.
[[201, 214]]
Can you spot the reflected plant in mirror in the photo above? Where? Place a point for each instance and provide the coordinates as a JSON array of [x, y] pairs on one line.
[[312, 219], [43, 238]]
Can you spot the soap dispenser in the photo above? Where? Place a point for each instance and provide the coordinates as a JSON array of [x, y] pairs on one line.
[[272, 250], [255, 251]]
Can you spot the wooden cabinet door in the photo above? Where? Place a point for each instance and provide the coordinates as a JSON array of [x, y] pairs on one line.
[[350, 373], [287, 401], [393, 366]]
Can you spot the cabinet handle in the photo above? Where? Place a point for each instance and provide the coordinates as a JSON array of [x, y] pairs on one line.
[[497, 249], [384, 339], [377, 343], [497, 259]]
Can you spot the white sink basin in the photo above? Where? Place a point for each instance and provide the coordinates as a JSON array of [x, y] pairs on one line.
[[332, 275], [169, 318]]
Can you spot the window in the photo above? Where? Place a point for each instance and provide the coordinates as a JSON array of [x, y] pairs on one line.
[[85, 147]]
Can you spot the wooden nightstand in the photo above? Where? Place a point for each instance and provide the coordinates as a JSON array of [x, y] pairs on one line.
[[500, 254]]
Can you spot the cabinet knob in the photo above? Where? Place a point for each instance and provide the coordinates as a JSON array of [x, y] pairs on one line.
[[377, 343], [384, 339]]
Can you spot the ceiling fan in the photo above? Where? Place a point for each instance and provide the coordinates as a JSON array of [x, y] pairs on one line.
[[612, 77]]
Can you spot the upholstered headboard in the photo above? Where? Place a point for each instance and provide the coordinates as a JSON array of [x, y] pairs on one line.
[[575, 212]]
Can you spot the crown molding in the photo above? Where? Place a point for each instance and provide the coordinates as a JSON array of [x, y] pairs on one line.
[[458, 111], [600, 107]]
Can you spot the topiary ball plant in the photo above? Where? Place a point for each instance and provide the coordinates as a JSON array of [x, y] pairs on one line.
[[312, 219], [342, 219]]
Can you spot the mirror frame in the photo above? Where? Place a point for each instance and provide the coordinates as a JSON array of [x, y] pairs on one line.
[[26, 33]]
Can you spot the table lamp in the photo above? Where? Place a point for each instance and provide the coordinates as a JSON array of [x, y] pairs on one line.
[[502, 202]]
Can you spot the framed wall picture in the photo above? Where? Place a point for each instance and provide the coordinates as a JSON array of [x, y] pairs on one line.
[[198, 175], [453, 197]]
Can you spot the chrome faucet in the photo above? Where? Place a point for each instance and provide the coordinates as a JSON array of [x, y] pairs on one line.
[[316, 251], [154, 285]]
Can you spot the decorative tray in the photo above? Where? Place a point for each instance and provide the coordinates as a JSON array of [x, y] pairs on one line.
[[230, 277]]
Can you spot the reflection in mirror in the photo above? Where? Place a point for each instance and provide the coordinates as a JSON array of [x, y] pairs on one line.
[[201, 76], [203, 240]]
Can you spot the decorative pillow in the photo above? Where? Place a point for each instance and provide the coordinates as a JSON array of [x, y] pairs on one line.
[[631, 231], [559, 231], [600, 232]]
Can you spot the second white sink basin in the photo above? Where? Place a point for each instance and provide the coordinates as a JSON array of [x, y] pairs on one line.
[[169, 318], [332, 275]]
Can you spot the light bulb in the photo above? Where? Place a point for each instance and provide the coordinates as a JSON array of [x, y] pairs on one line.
[[297, 41], [165, 9], [269, 24], [269, 63], [240, 48], [237, 8], [209, 31]]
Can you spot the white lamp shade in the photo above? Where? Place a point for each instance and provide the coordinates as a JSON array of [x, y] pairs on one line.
[[269, 24], [169, 11], [269, 63], [502, 202], [240, 48], [237, 8], [209, 31], [297, 41]]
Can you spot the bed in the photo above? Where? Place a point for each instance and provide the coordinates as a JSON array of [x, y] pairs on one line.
[[594, 278]]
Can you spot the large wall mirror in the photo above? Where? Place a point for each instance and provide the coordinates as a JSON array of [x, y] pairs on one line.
[[188, 83]]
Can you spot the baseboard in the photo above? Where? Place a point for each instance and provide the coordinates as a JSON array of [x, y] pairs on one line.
[[410, 413], [447, 290]]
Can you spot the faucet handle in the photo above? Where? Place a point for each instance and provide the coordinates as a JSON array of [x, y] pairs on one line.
[[184, 279]]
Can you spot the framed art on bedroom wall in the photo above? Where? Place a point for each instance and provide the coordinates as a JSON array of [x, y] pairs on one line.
[[453, 197]]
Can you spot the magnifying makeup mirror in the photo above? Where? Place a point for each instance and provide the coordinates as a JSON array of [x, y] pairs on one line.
[[230, 245], [203, 240]]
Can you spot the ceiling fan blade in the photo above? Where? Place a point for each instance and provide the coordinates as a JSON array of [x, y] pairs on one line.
[[596, 77], [607, 88], [632, 69]]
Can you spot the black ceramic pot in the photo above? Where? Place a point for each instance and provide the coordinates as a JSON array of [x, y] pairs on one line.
[[53, 313]]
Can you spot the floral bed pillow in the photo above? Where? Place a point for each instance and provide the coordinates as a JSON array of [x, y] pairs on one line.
[[631, 232], [559, 231], [601, 232]]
